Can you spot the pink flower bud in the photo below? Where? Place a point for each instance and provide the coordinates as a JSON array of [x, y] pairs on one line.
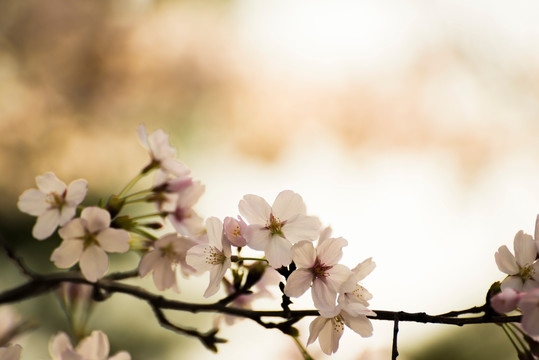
[[505, 301], [234, 230]]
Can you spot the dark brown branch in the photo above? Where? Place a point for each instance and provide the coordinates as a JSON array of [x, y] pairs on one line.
[[394, 349]]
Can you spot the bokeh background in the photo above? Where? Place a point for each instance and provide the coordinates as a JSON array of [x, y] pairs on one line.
[[409, 127]]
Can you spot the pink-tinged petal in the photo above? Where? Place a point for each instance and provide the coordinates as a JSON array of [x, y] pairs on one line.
[[302, 228], [324, 235], [337, 276], [113, 240], [11, 352], [73, 230], [71, 355], [506, 261], [76, 192], [33, 202], [96, 346], [49, 183], [356, 309], [255, 209], [97, 219], [58, 344], [46, 224], [505, 301], [67, 254], [330, 335], [149, 262], [360, 324], [93, 263], [363, 269], [233, 230], [190, 195], [530, 284], [330, 251], [257, 237], [513, 282], [173, 166], [316, 327], [143, 136], [278, 252], [216, 276], [525, 249], [298, 282], [67, 213], [287, 205], [197, 257], [122, 355], [163, 275], [214, 228], [323, 296], [159, 145], [529, 304], [304, 254]]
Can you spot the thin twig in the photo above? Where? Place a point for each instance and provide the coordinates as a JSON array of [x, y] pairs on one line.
[[394, 350], [16, 259]]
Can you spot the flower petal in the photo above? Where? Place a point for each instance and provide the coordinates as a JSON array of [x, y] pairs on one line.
[[298, 282], [330, 335], [93, 263], [337, 276], [255, 209], [96, 346], [33, 202], [122, 355], [113, 240], [506, 261], [363, 269], [76, 192], [257, 237], [49, 183], [11, 352], [513, 282], [278, 252], [163, 275], [360, 324], [214, 227], [46, 224], [216, 275], [323, 295], [304, 254], [58, 344], [67, 254], [302, 228], [67, 213], [73, 230], [330, 251], [525, 249], [149, 262], [315, 327], [96, 218], [287, 205]]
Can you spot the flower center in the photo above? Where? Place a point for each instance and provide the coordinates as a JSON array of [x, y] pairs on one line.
[[319, 270], [55, 200], [274, 225], [338, 324], [527, 272], [213, 256], [89, 239]]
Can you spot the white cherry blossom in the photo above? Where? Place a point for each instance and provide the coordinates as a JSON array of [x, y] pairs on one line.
[[93, 347], [522, 268], [161, 153], [529, 305], [318, 267], [87, 240], [213, 256], [165, 260], [10, 352], [53, 202], [184, 219], [273, 229]]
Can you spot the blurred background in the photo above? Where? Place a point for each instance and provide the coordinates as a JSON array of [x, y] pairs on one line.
[[409, 127]]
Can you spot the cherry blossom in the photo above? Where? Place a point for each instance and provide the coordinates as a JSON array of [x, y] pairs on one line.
[[53, 202], [353, 297], [184, 219], [529, 305], [10, 324], [213, 256], [161, 153], [87, 240], [505, 301], [328, 330], [10, 352], [93, 347], [235, 230], [320, 268], [166, 257], [522, 268], [273, 229]]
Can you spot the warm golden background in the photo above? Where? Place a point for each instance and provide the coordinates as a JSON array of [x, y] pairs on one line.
[[410, 127]]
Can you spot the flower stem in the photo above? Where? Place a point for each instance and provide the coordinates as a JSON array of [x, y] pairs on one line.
[[160, 214], [234, 258], [302, 349], [130, 184]]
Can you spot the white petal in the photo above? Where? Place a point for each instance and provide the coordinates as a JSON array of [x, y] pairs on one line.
[[33, 202], [525, 249], [191, 194], [46, 224], [122, 355], [96, 346], [196, 257], [67, 254], [304, 254], [315, 327], [93, 263], [96, 218], [360, 324], [73, 230], [337, 276], [529, 304], [329, 336], [214, 227], [324, 235], [257, 237], [323, 296], [67, 213], [330, 251], [255, 209], [76, 192], [11, 352], [143, 136], [298, 282], [216, 275], [172, 166], [49, 183], [278, 252], [149, 262], [513, 282], [113, 240], [58, 344], [163, 275], [287, 205], [363, 269], [506, 261], [302, 228]]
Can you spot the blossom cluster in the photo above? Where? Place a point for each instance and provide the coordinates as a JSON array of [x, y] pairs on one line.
[[282, 237]]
